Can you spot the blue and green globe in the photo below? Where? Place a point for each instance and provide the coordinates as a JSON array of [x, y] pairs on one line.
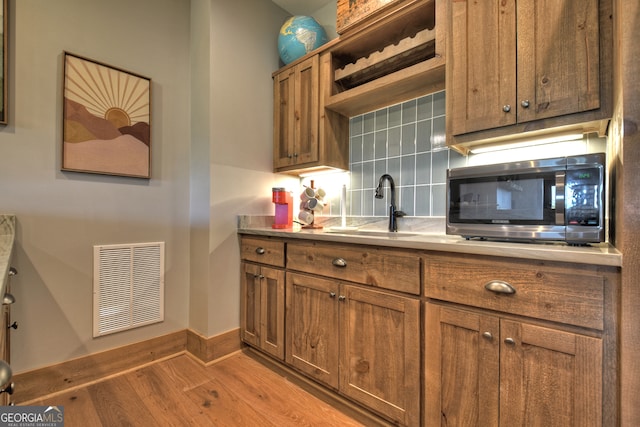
[[299, 35]]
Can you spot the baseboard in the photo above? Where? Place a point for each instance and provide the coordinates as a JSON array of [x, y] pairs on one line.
[[210, 349], [74, 373]]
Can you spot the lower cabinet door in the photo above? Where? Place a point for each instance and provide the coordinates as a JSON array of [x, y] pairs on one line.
[[483, 370], [363, 343], [272, 307], [380, 352], [312, 326], [250, 304], [462, 368], [549, 377], [262, 308]]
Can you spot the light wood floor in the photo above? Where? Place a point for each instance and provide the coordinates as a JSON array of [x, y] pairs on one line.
[[236, 391]]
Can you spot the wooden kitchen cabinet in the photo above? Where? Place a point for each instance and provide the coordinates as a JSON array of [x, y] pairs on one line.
[[487, 371], [296, 94], [362, 341], [380, 352], [312, 327], [527, 65], [304, 134], [391, 269], [5, 398], [5, 336], [262, 296], [515, 342]]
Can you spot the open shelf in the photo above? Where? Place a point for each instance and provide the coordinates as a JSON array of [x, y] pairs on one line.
[[389, 59], [407, 52], [407, 83]]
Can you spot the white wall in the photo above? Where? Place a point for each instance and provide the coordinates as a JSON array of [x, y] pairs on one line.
[[200, 168], [61, 215], [210, 62], [244, 54], [326, 16]]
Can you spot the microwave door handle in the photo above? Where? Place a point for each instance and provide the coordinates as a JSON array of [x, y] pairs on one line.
[[560, 181]]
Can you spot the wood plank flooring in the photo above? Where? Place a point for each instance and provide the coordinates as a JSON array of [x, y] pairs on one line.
[[180, 391]]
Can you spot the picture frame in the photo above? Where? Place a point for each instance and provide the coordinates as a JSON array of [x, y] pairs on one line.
[[4, 55], [106, 119]]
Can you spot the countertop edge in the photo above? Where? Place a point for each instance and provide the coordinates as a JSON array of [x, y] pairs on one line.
[[601, 254]]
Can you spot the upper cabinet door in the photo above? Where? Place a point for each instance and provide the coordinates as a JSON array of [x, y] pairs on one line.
[[296, 114], [307, 111], [283, 118], [558, 58], [481, 64], [515, 61]]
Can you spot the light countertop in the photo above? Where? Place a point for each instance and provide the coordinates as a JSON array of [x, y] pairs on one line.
[[7, 235], [429, 235]]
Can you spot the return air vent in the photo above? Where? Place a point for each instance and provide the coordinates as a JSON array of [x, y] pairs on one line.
[[128, 286]]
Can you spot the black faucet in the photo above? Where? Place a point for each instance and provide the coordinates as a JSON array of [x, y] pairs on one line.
[[393, 213]]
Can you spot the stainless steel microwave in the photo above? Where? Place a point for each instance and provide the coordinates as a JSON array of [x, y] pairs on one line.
[[560, 199]]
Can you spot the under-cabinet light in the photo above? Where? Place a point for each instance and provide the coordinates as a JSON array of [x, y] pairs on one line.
[[319, 171], [529, 142]]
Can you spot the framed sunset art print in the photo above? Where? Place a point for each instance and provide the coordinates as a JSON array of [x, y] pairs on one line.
[[107, 119]]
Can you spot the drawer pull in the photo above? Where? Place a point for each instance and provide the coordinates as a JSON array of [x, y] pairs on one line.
[[487, 335], [339, 262], [500, 287], [260, 251]]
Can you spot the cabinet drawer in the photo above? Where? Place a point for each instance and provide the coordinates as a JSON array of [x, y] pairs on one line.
[[262, 250], [389, 269], [555, 293]]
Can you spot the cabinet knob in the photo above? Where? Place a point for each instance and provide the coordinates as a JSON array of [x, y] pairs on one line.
[[260, 251], [342, 298], [500, 287], [525, 103], [509, 341], [12, 271], [332, 294], [9, 389], [8, 299], [14, 325], [487, 335], [339, 262], [295, 155], [506, 108]]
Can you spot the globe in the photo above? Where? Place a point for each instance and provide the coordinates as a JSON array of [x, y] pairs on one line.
[[299, 35]]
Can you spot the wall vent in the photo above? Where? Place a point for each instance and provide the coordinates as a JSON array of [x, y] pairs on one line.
[[128, 286]]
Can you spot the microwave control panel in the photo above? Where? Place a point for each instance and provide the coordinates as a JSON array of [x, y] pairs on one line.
[[583, 197]]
